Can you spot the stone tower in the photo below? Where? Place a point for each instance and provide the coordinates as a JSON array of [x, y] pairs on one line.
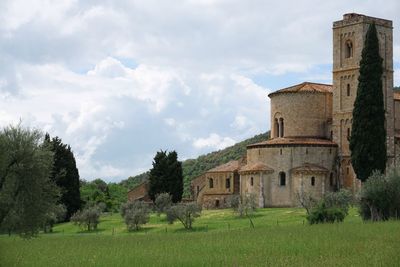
[[348, 41]]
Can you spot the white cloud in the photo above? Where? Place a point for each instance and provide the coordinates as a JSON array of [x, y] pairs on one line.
[[214, 141], [119, 80]]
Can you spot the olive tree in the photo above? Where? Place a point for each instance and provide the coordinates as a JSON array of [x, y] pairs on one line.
[[88, 218], [185, 213], [162, 203], [27, 194], [135, 213]]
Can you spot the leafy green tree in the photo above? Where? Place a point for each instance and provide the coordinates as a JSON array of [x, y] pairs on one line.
[[65, 174], [185, 213], [166, 176], [27, 194], [368, 135], [135, 213], [112, 195]]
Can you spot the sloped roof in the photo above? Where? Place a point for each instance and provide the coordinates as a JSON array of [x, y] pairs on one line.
[[231, 166], [301, 141], [308, 167], [257, 166], [305, 87]]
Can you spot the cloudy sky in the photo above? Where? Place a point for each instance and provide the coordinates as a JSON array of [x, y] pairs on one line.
[[119, 80]]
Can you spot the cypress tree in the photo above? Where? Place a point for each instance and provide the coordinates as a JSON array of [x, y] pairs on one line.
[[166, 176], [65, 174], [368, 135]]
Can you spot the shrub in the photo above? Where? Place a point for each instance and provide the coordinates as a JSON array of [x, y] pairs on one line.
[[88, 218], [135, 213], [163, 202], [333, 207], [185, 213], [323, 214], [380, 197]]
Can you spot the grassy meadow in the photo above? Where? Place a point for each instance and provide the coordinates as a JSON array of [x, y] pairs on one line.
[[281, 237]]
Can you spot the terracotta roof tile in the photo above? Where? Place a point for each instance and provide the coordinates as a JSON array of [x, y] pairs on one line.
[[305, 87], [308, 167], [294, 141], [231, 166], [258, 166], [396, 95]]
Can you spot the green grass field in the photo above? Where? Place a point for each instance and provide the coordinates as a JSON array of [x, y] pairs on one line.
[[280, 238]]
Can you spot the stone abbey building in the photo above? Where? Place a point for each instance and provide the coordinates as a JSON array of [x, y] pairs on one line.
[[310, 127]]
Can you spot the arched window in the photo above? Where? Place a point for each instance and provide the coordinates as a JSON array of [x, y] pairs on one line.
[[211, 183], [348, 89], [331, 179], [312, 181], [281, 127], [282, 179], [251, 181], [348, 49], [276, 128]]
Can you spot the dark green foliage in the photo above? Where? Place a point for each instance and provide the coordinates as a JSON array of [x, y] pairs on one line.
[[333, 207], [195, 167], [135, 213], [368, 135], [111, 195], [162, 203], [185, 213], [88, 218], [166, 176], [324, 214], [380, 197], [26, 192], [65, 174]]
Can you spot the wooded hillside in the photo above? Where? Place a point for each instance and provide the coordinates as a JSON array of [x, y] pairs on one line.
[[195, 167]]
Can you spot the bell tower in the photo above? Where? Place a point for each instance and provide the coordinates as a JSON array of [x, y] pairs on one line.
[[348, 42]]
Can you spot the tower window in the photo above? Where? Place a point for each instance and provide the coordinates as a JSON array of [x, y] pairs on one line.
[[348, 49], [282, 179], [348, 89], [276, 128], [348, 133], [280, 151], [331, 179], [306, 150], [313, 181], [228, 183], [281, 127], [211, 183], [251, 181]]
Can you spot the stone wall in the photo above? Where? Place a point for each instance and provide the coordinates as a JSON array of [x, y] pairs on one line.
[[352, 29], [305, 114], [284, 159]]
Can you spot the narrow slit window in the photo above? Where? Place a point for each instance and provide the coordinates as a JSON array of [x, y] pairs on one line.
[[348, 89], [282, 179], [313, 181], [211, 183], [251, 181]]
